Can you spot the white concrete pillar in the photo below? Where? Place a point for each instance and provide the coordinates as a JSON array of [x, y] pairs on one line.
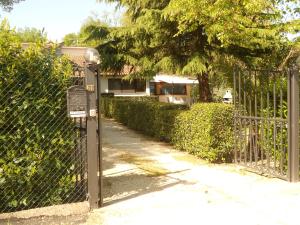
[[147, 87], [104, 85]]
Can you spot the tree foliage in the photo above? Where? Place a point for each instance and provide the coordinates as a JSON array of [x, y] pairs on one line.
[[82, 37], [8, 4], [193, 37], [36, 137], [31, 35]]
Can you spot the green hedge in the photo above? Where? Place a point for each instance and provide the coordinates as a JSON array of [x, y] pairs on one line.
[[147, 116], [205, 130]]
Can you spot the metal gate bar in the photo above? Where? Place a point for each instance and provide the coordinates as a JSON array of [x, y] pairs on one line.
[[261, 122], [293, 131]]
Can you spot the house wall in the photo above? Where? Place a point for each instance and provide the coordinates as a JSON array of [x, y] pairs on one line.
[[188, 89], [148, 87], [104, 85], [176, 99]]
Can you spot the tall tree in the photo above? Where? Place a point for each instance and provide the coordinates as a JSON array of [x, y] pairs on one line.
[[72, 39], [8, 4], [31, 35], [189, 36], [81, 38]]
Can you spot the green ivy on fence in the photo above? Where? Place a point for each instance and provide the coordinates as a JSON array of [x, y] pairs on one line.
[[36, 137]]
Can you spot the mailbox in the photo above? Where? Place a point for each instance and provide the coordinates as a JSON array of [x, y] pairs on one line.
[[77, 102], [227, 97]]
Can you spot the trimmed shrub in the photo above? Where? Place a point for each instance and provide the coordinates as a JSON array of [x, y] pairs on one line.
[[152, 118], [206, 130]]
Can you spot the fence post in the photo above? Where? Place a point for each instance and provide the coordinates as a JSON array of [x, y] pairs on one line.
[[234, 115], [293, 124], [100, 138], [92, 151]]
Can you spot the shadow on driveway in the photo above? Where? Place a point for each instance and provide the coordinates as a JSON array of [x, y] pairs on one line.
[[133, 184]]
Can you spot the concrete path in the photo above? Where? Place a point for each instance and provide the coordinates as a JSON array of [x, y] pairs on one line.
[[148, 182]]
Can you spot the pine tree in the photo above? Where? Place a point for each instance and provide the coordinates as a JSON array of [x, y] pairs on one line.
[[8, 4], [188, 37]]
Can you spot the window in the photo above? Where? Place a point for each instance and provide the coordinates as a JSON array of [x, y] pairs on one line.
[[173, 89], [152, 88], [166, 89], [125, 85], [140, 85], [179, 89], [114, 84]]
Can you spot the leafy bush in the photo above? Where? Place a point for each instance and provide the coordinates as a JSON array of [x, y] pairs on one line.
[[36, 137], [206, 130]]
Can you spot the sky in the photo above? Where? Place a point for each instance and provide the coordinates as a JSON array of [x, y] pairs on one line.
[[58, 17]]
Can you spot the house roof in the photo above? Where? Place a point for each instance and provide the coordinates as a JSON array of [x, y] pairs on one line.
[[77, 57], [75, 54], [126, 70]]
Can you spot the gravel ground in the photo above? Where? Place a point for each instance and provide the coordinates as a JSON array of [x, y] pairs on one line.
[[149, 183]]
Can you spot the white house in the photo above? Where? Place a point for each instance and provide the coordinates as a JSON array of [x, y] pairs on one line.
[[168, 88]]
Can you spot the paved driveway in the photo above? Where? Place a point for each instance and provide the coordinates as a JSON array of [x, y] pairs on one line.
[[148, 182]]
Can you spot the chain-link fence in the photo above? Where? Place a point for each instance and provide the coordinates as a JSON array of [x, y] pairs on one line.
[[42, 151]]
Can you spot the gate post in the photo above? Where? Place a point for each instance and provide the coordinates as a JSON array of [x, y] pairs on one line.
[[293, 124], [99, 138], [92, 151]]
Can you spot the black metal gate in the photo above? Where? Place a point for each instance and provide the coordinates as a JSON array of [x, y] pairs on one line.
[[266, 122]]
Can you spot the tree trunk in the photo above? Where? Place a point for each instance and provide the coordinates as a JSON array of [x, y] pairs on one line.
[[204, 89]]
